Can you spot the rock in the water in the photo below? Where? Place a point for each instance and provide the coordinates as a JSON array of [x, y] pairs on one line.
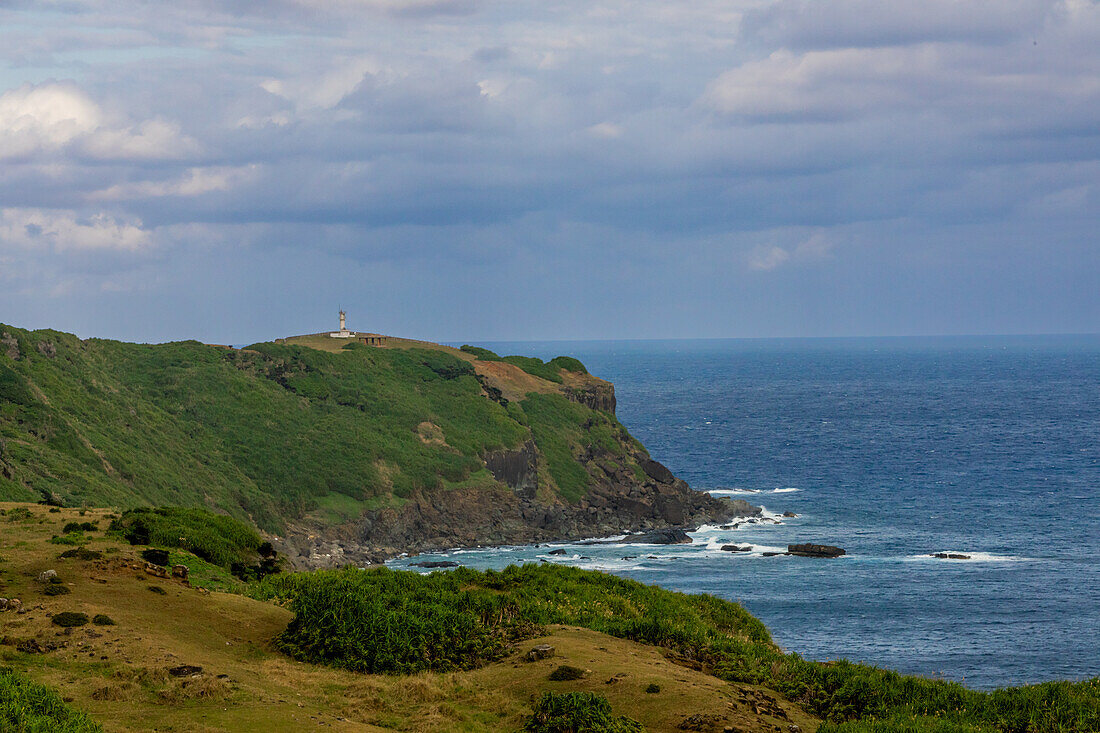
[[434, 564], [811, 550], [556, 552], [539, 651], [659, 537], [789, 515], [950, 556], [737, 548], [772, 554], [157, 557]]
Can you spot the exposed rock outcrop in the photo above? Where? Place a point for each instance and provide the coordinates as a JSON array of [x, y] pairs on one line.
[[811, 550], [517, 469], [596, 396]]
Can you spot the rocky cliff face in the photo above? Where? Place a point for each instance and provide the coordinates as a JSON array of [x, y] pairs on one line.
[[618, 503]]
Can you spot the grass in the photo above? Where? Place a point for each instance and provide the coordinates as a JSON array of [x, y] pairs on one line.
[[578, 712], [271, 432], [27, 707], [229, 634], [386, 621], [220, 540], [567, 433]]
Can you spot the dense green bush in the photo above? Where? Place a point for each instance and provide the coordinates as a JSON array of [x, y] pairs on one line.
[[566, 673], [67, 619], [218, 539], [535, 366], [480, 353], [385, 621], [79, 527], [27, 707], [577, 712], [568, 363]]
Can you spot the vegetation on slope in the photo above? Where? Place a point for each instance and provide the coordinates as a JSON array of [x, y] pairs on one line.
[[28, 707], [264, 433], [465, 618], [578, 712]]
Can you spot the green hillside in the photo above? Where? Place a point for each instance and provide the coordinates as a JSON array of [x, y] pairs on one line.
[[271, 432]]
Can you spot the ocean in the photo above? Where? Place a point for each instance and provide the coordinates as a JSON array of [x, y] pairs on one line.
[[892, 449]]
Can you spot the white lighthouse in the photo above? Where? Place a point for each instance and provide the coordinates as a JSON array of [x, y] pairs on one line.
[[343, 333]]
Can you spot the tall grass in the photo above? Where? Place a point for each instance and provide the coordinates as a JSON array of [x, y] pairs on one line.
[[387, 621], [577, 712], [28, 707], [218, 539]]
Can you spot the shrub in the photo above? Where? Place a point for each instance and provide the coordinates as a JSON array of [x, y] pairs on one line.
[[68, 619], [74, 538], [79, 527], [535, 367], [577, 712], [652, 688], [480, 353], [102, 619], [81, 553], [382, 621], [567, 673], [218, 539], [28, 706], [57, 590], [568, 363], [157, 589]]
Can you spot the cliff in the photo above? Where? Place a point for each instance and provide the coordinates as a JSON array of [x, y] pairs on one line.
[[345, 453]]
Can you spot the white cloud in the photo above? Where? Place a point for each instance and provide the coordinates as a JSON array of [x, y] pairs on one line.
[[195, 182], [327, 90], [63, 230], [59, 116], [767, 257], [46, 116]]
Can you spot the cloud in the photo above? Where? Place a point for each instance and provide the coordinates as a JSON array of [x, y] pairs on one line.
[[195, 182], [56, 116], [839, 84], [327, 90], [767, 257], [66, 231], [871, 23]]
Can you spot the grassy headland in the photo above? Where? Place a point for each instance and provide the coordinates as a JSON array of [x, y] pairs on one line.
[[316, 432]]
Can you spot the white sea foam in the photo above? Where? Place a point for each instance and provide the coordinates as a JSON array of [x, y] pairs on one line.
[[972, 557], [736, 492]]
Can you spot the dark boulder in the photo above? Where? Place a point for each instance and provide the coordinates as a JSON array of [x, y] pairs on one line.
[[657, 471], [811, 550], [556, 552], [157, 557], [737, 548], [949, 556], [434, 564], [659, 537]]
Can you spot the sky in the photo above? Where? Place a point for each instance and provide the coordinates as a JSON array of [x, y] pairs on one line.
[[508, 170]]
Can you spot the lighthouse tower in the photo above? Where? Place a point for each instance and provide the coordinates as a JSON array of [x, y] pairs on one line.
[[343, 333]]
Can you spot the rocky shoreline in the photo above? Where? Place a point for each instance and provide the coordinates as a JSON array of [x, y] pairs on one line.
[[438, 521]]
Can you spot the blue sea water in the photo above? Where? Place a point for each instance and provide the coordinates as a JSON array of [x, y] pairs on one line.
[[892, 449]]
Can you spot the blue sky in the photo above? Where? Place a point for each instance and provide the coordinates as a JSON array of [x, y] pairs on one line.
[[480, 169]]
